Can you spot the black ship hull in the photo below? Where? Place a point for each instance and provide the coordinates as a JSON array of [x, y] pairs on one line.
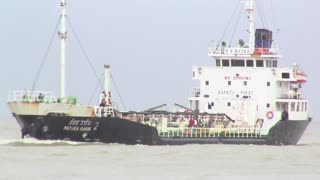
[[117, 130]]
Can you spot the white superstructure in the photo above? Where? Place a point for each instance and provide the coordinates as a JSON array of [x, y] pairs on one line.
[[247, 84]]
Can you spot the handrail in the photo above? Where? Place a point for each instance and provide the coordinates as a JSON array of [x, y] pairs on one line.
[[104, 111], [32, 96], [192, 132], [240, 51]]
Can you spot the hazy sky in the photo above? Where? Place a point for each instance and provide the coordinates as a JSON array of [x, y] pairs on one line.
[[151, 45]]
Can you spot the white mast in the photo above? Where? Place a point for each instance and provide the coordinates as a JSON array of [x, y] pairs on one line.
[[63, 37], [250, 4], [107, 82]]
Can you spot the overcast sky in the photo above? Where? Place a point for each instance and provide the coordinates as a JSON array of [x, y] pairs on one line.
[[151, 45]]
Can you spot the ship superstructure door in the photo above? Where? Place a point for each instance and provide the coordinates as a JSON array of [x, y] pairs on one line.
[[249, 111], [244, 112], [281, 106]]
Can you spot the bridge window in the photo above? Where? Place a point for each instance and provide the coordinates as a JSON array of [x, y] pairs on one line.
[[249, 63], [274, 63], [259, 63], [218, 63], [229, 83], [285, 75], [225, 63], [306, 107], [237, 63], [268, 63]]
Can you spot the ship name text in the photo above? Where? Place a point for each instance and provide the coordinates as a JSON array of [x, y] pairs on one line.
[[79, 125]]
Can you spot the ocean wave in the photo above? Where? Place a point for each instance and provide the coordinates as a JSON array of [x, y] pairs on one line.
[[309, 144], [36, 142]]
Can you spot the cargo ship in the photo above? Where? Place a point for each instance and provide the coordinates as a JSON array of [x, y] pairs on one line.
[[242, 98]]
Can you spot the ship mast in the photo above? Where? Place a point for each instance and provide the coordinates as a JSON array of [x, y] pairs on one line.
[[250, 4], [63, 37], [107, 83]]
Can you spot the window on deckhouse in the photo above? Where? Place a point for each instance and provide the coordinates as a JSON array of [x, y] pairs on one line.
[[249, 63], [218, 62], [306, 107], [237, 63], [268, 63], [285, 75], [225, 63], [274, 63], [259, 63]]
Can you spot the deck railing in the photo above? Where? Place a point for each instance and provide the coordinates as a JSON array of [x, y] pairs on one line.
[[241, 51], [32, 96], [252, 133], [105, 111], [229, 51]]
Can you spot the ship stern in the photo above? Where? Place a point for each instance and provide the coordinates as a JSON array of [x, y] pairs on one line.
[[287, 132]]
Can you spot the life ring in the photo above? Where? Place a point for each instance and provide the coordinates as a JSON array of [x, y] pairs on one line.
[[269, 115]]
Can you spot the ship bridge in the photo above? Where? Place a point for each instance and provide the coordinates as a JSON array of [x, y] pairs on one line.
[[261, 54]]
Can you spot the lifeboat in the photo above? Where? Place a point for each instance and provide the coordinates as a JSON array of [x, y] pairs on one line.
[[301, 77]]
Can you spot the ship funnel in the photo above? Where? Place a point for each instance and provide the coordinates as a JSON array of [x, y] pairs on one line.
[[263, 38]]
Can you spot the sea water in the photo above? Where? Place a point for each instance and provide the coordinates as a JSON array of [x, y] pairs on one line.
[[37, 160]]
